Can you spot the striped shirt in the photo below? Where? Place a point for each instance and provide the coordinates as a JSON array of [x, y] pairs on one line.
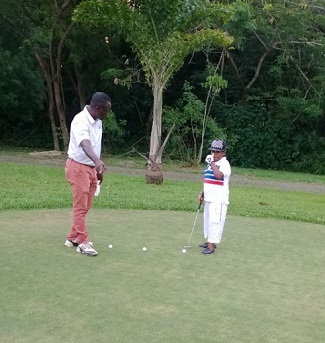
[[215, 189]]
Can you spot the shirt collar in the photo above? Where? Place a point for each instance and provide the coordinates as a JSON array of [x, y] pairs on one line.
[[90, 118]]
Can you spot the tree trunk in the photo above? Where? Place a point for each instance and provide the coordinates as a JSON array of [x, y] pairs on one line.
[[154, 174], [48, 81], [55, 64], [52, 121], [61, 112], [80, 88]]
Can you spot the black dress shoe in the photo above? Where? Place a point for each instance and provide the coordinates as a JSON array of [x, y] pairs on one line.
[[205, 245], [207, 251]]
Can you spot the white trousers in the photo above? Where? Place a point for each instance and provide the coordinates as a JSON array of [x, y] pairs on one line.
[[214, 221]]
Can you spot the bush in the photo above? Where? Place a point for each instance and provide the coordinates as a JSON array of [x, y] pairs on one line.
[[186, 139], [113, 133], [257, 140]]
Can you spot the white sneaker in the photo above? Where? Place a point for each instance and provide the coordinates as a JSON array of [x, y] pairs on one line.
[[87, 249], [71, 244]]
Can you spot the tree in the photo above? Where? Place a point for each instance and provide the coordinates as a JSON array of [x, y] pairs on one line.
[[44, 26], [287, 38], [279, 74], [162, 34], [19, 107], [192, 122]]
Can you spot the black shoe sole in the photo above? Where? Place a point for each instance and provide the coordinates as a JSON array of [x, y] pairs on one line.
[[207, 251]]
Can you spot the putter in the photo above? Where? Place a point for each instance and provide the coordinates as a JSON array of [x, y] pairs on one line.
[[188, 246]]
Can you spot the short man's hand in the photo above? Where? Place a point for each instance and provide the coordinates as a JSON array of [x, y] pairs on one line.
[[209, 159]]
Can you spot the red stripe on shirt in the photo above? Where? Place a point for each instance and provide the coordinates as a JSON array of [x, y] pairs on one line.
[[214, 182]]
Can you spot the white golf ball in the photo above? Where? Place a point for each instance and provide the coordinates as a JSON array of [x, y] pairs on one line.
[[110, 246], [144, 249], [184, 251]]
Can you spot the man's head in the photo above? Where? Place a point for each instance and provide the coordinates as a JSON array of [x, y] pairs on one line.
[[100, 105], [218, 149]]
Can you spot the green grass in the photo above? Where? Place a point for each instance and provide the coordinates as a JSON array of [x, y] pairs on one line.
[[32, 187], [134, 161], [279, 175], [264, 283]]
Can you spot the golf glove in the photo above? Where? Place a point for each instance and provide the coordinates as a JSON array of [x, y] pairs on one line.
[[209, 159], [97, 189]]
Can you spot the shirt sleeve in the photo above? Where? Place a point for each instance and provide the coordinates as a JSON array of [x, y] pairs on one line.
[[225, 168], [81, 132]]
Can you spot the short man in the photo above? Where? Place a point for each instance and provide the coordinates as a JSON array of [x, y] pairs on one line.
[[84, 167], [215, 195]]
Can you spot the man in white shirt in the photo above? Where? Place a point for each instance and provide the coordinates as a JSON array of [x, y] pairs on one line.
[[215, 195], [84, 167]]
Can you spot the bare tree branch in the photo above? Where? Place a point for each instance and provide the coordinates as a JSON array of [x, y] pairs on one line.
[[233, 64], [258, 69], [302, 73], [306, 5], [260, 40], [161, 149]]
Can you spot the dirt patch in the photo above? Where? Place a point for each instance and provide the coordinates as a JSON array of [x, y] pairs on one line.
[[58, 160], [52, 153]]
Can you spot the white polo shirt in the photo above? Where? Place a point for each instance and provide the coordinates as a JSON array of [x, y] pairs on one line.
[[84, 126]]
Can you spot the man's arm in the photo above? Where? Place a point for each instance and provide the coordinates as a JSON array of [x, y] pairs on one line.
[[216, 172], [99, 164]]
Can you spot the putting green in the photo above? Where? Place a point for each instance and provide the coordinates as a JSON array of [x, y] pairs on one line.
[[264, 283]]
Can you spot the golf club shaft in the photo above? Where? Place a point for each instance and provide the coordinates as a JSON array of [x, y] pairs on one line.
[[197, 213]]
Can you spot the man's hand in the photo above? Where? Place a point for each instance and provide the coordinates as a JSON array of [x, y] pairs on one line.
[[87, 148], [200, 198], [209, 159], [100, 167]]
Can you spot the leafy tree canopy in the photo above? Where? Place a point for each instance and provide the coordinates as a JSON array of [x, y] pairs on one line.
[[162, 33]]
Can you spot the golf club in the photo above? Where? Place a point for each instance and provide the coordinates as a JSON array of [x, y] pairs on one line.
[[188, 246]]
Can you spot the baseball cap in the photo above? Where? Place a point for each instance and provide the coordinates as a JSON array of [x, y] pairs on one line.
[[218, 145]]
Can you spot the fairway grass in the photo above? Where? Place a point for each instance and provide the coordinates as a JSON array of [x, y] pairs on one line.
[[36, 187], [265, 283]]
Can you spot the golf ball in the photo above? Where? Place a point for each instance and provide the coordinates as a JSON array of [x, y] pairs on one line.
[[184, 251], [110, 246], [144, 249]]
